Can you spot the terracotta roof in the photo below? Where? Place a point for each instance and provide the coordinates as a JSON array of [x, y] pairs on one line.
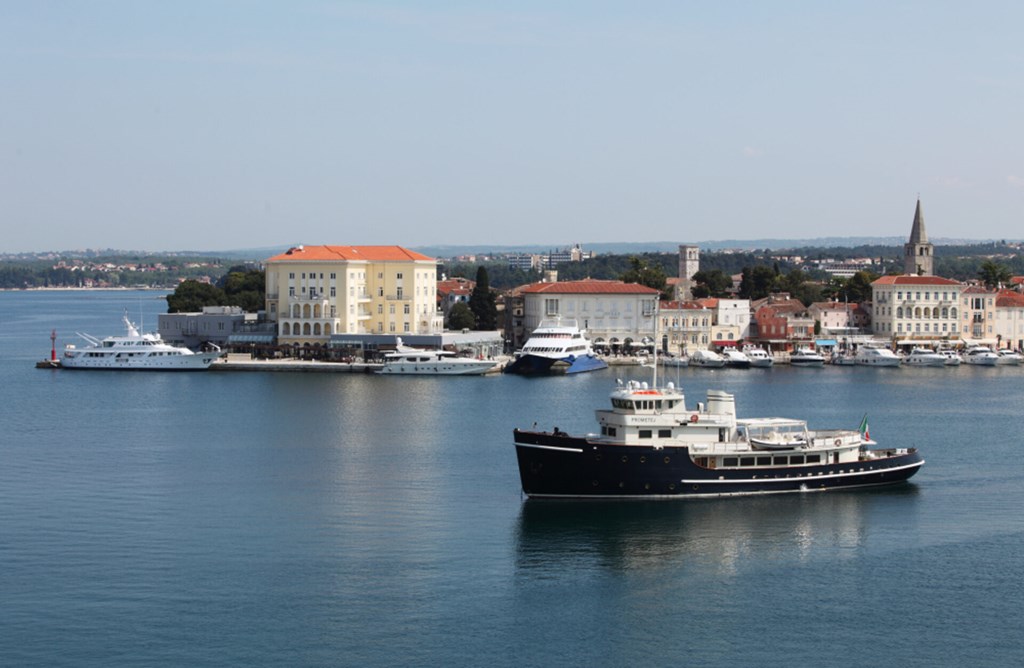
[[710, 302], [677, 305], [1010, 298], [349, 253], [914, 280], [978, 290], [1016, 280], [589, 286]]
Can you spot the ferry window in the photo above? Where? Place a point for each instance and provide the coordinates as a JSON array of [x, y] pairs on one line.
[[604, 430], [612, 431], [729, 461], [764, 461], [796, 459], [780, 461], [813, 459], [664, 433], [746, 461], [701, 461], [645, 433]]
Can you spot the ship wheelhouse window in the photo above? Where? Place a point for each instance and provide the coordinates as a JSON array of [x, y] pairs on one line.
[[664, 433], [764, 461], [612, 431], [746, 461], [796, 459], [813, 459], [644, 433], [781, 461], [730, 461]]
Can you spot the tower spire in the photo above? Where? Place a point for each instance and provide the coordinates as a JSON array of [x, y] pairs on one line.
[[917, 233]]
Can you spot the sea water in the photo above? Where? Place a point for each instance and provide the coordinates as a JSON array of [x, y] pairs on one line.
[[317, 519]]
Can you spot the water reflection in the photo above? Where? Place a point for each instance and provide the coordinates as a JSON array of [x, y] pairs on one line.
[[714, 536]]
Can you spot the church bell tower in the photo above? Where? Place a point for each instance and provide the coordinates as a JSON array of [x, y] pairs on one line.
[[918, 254]]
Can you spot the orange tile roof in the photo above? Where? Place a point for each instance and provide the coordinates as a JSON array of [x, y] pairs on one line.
[[914, 280], [1010, 298], [677, 305], [349, 253], [590, 286]]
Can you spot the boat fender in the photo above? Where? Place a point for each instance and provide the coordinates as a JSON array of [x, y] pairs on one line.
[[693, 418], [839, 441]]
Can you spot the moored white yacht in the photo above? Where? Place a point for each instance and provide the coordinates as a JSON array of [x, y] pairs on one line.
[[556, 346], [135, 351], [406, 360], [1009, 357], [980, 356], [804, 356], [950, 357], [736, 359], [707, 359], [874, 356], [844, 358], [759, 357], [924, 357]]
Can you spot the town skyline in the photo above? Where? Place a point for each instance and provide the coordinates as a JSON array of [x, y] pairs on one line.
[[228, 124]]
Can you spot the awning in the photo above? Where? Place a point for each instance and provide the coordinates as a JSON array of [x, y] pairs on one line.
[[725, 344], [825, 342], [251, 338]]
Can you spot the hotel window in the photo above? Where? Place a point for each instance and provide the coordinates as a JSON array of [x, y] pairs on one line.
[[291, 292], [550, 307], [380, 292], [391, 309], [333, 276], [405, 309], [391, 326], [291, 275], [380, 309], [333, 293], [398, 276], [406, 327]]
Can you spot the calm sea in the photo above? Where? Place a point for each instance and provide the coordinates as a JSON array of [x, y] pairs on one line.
[[278, 519]]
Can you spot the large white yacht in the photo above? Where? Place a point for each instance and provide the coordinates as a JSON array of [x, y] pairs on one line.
[[556, 346], [872, 356], [406, 360], [135, 351], [736, 359]]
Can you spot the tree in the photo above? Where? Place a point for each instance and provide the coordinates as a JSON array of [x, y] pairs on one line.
[[758, 282], [646, 274], [858, 288], [245, 288], [460, 317], [993, 274], [192, 296], [482, 302], [713, 283]]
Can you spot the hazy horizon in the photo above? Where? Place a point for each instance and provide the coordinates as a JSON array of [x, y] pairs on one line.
[[249, 124]]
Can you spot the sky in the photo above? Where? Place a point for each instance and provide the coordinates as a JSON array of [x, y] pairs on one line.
[[227, 124]]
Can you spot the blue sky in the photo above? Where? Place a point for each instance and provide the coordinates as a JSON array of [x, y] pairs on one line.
[[238, 123]]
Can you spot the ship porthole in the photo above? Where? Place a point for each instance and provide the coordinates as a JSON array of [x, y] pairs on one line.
[[647, 485], [597, 458], [667, 460], [594, 483], [625, 459], [671, 485], [643, 460], [622, 485], [696, 487]]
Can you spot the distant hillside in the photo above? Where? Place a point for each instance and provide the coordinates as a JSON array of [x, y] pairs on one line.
[[673, 246]]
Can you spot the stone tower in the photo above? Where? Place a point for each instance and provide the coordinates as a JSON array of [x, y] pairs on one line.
[[689, 264], [918, 254]]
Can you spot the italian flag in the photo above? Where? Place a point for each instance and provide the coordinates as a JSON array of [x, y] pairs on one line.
[[864, 433]]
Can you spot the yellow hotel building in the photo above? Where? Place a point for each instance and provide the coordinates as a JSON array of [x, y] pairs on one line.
[[314, 292]]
